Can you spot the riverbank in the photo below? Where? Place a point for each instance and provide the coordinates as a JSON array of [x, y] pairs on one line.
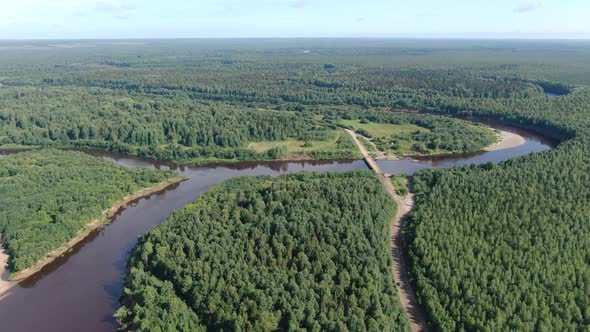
[[507, 140], [8, 280], [4, 274]]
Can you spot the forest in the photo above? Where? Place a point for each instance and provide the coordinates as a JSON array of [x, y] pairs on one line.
[[504, 247], [491, 247], [49, 195], [182, 130], [305, 251], [148, 126]]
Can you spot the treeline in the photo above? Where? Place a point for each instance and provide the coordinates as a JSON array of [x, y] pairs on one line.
[[555, 87], [303, 251], [178, 129], [308, 84], [48, 196]]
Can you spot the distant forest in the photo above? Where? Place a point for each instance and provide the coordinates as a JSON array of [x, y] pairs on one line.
[[188, 103]]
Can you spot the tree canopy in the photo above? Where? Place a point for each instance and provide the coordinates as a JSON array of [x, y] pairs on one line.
[[48, 196], [303, 251]]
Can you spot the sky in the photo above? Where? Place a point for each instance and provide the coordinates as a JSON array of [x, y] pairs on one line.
[[80, 19]]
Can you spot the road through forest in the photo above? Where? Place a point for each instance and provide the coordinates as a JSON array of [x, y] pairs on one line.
[[399, 268]]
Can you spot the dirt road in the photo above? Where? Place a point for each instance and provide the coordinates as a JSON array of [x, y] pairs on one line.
[[399, 268]]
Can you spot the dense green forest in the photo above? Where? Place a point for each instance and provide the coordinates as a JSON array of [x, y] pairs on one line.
[[493, 247], [180, 129], [47, 196], [303, 251], [149, 126], [506, 247]]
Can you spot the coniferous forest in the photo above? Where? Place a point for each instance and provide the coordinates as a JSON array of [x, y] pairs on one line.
[[498, 247], [48, 196], [304, 251]]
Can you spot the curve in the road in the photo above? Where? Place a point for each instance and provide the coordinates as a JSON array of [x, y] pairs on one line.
[[399, 269]]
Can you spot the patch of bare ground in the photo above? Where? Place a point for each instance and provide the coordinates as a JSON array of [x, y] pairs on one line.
[[507, 140]]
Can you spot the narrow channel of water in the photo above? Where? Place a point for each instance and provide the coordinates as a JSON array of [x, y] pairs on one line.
[[79, 291]]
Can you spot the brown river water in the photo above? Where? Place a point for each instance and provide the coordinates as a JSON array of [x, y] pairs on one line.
[[80, 290]]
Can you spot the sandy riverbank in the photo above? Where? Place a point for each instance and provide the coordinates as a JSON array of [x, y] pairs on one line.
[[7, 281], [507, 140], [4, 274]]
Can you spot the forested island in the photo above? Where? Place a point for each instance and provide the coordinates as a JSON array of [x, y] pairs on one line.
[[304, 251], [48, 196]]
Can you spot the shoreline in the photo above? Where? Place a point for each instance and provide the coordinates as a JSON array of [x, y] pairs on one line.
[[7, 280], [507, 140], [4, 273]]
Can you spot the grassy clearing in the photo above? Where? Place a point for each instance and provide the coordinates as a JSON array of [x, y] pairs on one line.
[[305, 148], [367, 144], [444, 136], [293, 146], [382, 130], [400, 183], [12, 146]]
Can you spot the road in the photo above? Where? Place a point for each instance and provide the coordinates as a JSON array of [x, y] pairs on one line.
[[399, 269]]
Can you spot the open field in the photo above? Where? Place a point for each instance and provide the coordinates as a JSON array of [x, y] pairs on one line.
[[382, 130], [299, 148]]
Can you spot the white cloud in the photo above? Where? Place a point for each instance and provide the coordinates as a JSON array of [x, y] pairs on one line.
[[299, 4], [106, 6], [119, 9], [528, 7]]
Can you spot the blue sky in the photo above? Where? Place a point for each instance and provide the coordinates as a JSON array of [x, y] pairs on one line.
[[46, 19]]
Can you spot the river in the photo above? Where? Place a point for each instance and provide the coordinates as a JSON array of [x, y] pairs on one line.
[[552, 95], [80, 291]]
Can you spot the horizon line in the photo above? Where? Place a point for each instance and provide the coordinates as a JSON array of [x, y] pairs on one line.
[[417, 37]]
